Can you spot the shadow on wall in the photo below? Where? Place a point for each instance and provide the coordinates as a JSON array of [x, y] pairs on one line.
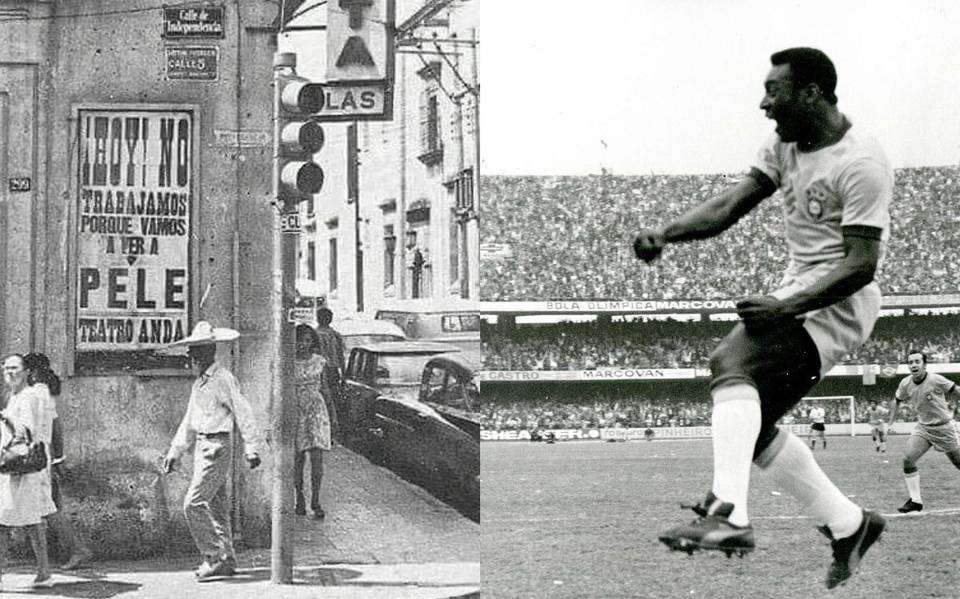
[[123, 508]]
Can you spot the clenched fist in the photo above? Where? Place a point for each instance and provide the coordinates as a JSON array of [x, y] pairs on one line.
[[648, 245]]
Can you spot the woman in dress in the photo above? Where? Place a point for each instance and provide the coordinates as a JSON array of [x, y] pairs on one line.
[[39, 373], [313, 421], [25, 498]]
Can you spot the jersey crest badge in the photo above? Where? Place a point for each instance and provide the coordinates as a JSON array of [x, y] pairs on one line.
[[818, 200]]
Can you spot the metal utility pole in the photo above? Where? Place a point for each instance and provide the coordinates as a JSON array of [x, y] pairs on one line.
[[353, 195], [282, 413]]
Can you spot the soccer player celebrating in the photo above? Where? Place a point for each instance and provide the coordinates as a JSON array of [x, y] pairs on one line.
[[818, 426], [877, 416], [836, 185], [927, 392]]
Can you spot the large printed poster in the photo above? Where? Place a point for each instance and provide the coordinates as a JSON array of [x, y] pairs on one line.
[[133, 228]]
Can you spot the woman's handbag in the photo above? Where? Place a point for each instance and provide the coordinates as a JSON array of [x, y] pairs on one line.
[[20, 454]]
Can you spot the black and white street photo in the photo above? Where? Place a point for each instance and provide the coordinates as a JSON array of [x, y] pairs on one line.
[[239, 298]]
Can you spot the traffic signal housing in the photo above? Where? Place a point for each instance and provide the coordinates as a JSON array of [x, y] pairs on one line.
[[300, 137]]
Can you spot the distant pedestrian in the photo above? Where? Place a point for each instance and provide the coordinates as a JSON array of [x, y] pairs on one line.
[[331, 347], [39, 373], [313, 421], [25, 498], [215, 404]]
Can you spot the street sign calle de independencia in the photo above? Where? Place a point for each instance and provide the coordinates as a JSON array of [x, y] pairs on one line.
[[189, 23]]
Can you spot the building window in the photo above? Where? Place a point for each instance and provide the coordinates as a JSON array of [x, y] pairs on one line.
[[332, 271], [454, 246], [312, 260], [431, 147], [465, 191], [389, 256]]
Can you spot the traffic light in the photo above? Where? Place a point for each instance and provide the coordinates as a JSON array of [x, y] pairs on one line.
[[300, 137]]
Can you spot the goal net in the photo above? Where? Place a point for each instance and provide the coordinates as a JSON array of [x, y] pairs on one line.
[[841, 412]]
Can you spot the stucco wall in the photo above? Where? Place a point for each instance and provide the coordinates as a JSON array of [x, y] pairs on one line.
[[116, 426]]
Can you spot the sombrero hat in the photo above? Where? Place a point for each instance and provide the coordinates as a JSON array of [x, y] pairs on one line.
[[205, 333]]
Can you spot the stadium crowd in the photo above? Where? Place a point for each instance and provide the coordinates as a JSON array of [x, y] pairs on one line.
[[570, 238], [671, 344], [600, 412]]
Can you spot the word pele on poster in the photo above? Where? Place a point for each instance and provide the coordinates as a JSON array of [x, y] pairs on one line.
[[133, 228]]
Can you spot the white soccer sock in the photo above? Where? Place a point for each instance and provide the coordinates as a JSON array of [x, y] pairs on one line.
[[736, 424], [795, 470], [913, 486]]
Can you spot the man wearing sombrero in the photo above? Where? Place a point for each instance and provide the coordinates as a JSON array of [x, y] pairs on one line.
[[215, 403]]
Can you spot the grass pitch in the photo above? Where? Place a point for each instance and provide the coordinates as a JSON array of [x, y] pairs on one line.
[[581, 519]]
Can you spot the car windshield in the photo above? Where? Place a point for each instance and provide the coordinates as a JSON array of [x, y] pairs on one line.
[[401, 369]]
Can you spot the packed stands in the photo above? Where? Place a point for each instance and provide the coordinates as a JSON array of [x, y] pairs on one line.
[[570, 238], [612, 409], [671, 344]]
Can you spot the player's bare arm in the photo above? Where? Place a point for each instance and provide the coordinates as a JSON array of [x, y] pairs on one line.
[[708, 219], [853, 272], [954, 392], [893, 411]]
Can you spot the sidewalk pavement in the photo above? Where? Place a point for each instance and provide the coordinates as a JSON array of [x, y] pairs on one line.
[[333, 581], [382, 538]]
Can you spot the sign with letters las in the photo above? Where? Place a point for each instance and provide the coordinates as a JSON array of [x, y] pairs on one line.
[[198, 22], [133, 221]]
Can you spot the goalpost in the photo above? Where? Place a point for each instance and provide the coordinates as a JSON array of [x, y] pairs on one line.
[[847, 402]]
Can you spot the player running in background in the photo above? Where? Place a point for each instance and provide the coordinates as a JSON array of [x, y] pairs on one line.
[[818, 426], [836, 185], [877, 416], [927, 392]]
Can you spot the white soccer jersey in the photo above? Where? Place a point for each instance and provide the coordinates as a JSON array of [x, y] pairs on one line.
[[818, 415], [929, 397], [877, 416], [849, 183]]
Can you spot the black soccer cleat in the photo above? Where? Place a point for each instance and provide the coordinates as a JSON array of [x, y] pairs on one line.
[[910, 506], [711, 531], [848, 551]]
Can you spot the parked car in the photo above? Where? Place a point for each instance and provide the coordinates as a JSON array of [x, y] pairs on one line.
[[455, 321], [357, 332], [413, 407]]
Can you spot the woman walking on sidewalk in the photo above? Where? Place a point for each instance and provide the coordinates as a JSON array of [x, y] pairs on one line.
[[25, 498], [40, 374], [313, 421]]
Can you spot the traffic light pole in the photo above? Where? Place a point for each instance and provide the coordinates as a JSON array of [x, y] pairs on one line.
[[283, 407]]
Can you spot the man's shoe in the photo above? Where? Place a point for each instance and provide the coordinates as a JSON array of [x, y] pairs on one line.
[[216, 570], [77, 559], [910, 506], [42, 582], [848, 551], [711, 531], [318, 513], [229, 567]]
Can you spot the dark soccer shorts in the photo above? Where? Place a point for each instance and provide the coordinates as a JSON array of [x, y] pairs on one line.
[[818, 426], [782, 364]]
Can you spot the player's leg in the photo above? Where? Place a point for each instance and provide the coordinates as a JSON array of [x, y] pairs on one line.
[[882, 434], [917, 445], [724, 523], [791, 464], [823, 435], [812, 436]]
